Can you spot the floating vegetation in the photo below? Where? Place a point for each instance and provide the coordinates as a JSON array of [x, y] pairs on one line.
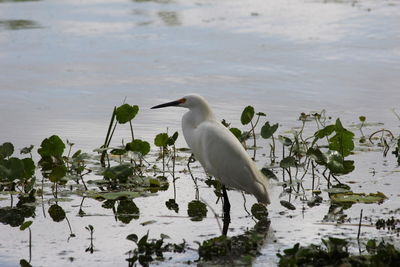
[[308, 162], [197, 210], [19, 24], [351, 197], [149, 250], [236, 250], [334, 252], [389, 224]]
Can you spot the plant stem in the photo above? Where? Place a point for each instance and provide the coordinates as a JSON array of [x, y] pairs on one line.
[[254, 139], [108, 137], [359, 225], [130, 124], [30, 244]]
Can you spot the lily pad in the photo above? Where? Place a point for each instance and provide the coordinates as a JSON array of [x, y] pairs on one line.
[[351, 197], [267, 130], [126, 112], [6, 150], [247, 115], [114, 195], [287, 205], [197, 210]]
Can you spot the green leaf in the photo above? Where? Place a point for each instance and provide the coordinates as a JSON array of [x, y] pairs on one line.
[[287, 205], [25, 225], [119, 172], [139, 146], [6, 150], [52, 146], [126, 112], [342, 142], [259, 211], [148, 222], [77, 154], [269, 174], [172, 205], [143, 241], [351, 197], [236, 132], [286, 141], [56, 213], [57, 173], [27, 150], [161, 140], [29, 168], [133, 237], [247, 115], [164, 236], [114, 195], [24, 263], [334, 161], [371, 246], [288, 162], [127, 210], [267, 130], [118, 152], [172, 139], [316, 155], [328, 130], [197, 210], [12, 169]]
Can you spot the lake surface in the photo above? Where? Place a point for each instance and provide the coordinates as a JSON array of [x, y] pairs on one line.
[[65, 64]]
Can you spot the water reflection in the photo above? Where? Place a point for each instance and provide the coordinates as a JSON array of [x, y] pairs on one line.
[[170, 18], [9, 1], [155, 1], [19, 24]]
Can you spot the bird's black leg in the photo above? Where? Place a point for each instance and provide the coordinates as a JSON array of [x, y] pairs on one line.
[[227, 209], [227, 205]]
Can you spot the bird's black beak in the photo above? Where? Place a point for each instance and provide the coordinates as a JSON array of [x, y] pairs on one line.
[[170, 104]]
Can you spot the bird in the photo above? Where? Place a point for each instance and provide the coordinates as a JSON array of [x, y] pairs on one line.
[[218, 150]]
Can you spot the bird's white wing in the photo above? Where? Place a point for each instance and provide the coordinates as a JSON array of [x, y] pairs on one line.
[[224, 157]]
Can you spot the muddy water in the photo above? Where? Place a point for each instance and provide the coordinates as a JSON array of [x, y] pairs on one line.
[[65, 64]]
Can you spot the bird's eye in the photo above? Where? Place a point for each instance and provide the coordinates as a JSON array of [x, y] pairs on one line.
[[182, 100]]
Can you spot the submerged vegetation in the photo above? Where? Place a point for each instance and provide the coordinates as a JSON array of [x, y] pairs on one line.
[[309, 160]]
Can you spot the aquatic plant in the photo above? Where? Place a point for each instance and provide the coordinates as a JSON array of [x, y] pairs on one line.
[[335, 252]]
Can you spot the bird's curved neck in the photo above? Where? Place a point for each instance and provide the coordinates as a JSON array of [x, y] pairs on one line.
[[197, 115]]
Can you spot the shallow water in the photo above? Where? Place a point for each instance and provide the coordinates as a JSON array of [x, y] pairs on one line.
[[65, 64]]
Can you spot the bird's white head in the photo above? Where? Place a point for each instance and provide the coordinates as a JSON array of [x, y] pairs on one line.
[[192, 101]]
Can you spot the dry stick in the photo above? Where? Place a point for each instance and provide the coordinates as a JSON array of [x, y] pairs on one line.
[[359, 226]]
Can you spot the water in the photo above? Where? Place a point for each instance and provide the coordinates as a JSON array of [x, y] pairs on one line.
[[65, 64]]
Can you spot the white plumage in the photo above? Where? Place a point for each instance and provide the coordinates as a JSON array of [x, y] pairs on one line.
[[218, 150]]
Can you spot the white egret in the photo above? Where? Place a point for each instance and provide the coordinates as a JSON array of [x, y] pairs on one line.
[[218, 150]]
